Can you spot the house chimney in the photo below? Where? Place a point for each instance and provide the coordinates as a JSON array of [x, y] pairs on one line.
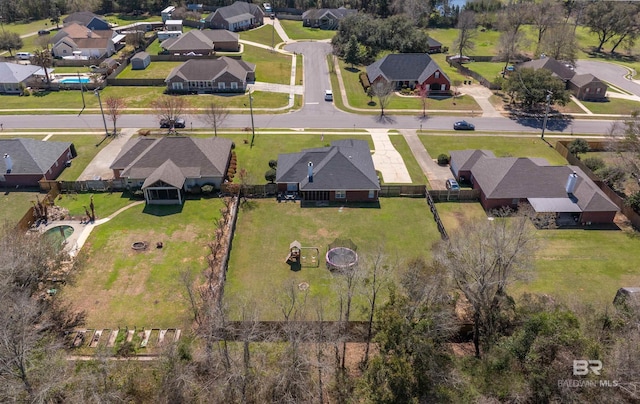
[[89, 34], [8, 163], [310, 171], [571, 183]]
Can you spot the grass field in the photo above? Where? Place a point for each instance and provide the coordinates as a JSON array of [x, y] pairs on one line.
[[85, 147], [105, 203], [265, 35], [15, 203], [501, 146], [612, 106], [417, 176], [154, 48], [258, 273], [296, 31], [121, 287], [271, 67], [155, 70]]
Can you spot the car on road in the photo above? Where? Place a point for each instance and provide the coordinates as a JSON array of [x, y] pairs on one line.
[[328, 95], [452, 184], [463, 125], [179, 123], [44, 32]]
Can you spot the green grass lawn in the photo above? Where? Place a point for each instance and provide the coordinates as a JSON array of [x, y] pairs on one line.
[[154, 48], [123, 19], [121, 287], [71, 69], [417, 176], [85, 147], [265, 35], [32, 26], [105, 203], [257, 269], [612, 106], [587, 266], [485, 42], [271, 67], [155, 70], [296, 31], [488, 70], [359, 99], [299, 70], [15, 203], [501, 146]]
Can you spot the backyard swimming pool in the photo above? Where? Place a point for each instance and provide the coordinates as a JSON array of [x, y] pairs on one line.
[[74, 80], [58, 235]]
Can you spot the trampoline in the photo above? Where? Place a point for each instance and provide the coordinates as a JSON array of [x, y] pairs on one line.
[[341, 255]]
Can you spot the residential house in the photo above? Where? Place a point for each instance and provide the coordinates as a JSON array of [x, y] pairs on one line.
[[87, 19], [325, 18], [342, 172], [413, 70], [24, 162], [239, 16], [14, 77], [582, 86], [222, 75], [140, 61], [164, 168], [84, 42], [564, 191], [205, 42]]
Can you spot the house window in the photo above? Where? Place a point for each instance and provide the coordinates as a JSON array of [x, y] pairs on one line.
[[234, 85], [342, 194], [437, 75], [176, 86], [587, 89], [221, 85], [443, 87], [372, 193], [597, 89]]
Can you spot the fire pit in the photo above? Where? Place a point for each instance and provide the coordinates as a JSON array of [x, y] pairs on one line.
[[139, 245]]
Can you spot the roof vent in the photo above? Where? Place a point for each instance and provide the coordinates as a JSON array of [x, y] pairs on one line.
[[8, 163], [310, 171], [571, 183]]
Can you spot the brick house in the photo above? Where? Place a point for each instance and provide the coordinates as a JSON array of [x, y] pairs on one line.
[[24, 162], [411, 70]]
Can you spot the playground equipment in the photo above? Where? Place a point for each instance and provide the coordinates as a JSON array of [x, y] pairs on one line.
[[341, 255], [300, 256]]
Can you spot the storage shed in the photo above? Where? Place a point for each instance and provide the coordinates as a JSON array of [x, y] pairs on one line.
[[140, 61]]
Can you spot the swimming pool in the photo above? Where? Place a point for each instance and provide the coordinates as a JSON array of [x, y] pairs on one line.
[[58, 235], [74, 80]]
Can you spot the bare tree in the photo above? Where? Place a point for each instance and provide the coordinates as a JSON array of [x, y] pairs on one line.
[[383, 90], [483, 260], [545, 15], [466, 32], [424, 97], [559, 42], [115, 108], [169, 108], [215, 115], [509, 45]]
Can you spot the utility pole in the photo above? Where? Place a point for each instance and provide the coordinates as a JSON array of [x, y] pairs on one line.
[[546, 113], [253, 128], [104, 120]]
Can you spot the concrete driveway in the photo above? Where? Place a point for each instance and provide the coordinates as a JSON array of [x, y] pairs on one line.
[[98, 168]]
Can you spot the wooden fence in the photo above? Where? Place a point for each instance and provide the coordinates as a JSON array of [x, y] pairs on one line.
[[28, 219], [561, 148]]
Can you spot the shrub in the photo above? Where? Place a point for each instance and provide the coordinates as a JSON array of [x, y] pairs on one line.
[[612, 176], [594, 163], [207, 189], [633, 201], [273, 164], [364, 80], [443, 159], [270, 175], [578, 146], [138, 194]]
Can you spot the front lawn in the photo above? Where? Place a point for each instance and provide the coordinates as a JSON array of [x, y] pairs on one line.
[[155, 70], [265, 35], [402, 227], [612, 106], [85, 147], [271, 67], [120, 287], [499, 145], [359, 99], [296, 31]]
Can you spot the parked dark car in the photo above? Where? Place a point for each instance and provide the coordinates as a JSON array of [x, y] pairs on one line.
[[44, 32], [463, 125], [179, 123]]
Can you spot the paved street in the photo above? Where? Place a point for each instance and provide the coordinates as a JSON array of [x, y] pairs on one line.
[[614, 74]]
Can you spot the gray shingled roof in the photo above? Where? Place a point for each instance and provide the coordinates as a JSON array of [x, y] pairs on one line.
[[433, 42], [518, 178], [30, 156], [345, 165], [404, 67], [16, 73], [465, 159], [235, 9], [334, 13], [558, 69], [82, 17], [195, 157], [140, 56], [584, 79], [169, 173], [188, 41], [210, 69]]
